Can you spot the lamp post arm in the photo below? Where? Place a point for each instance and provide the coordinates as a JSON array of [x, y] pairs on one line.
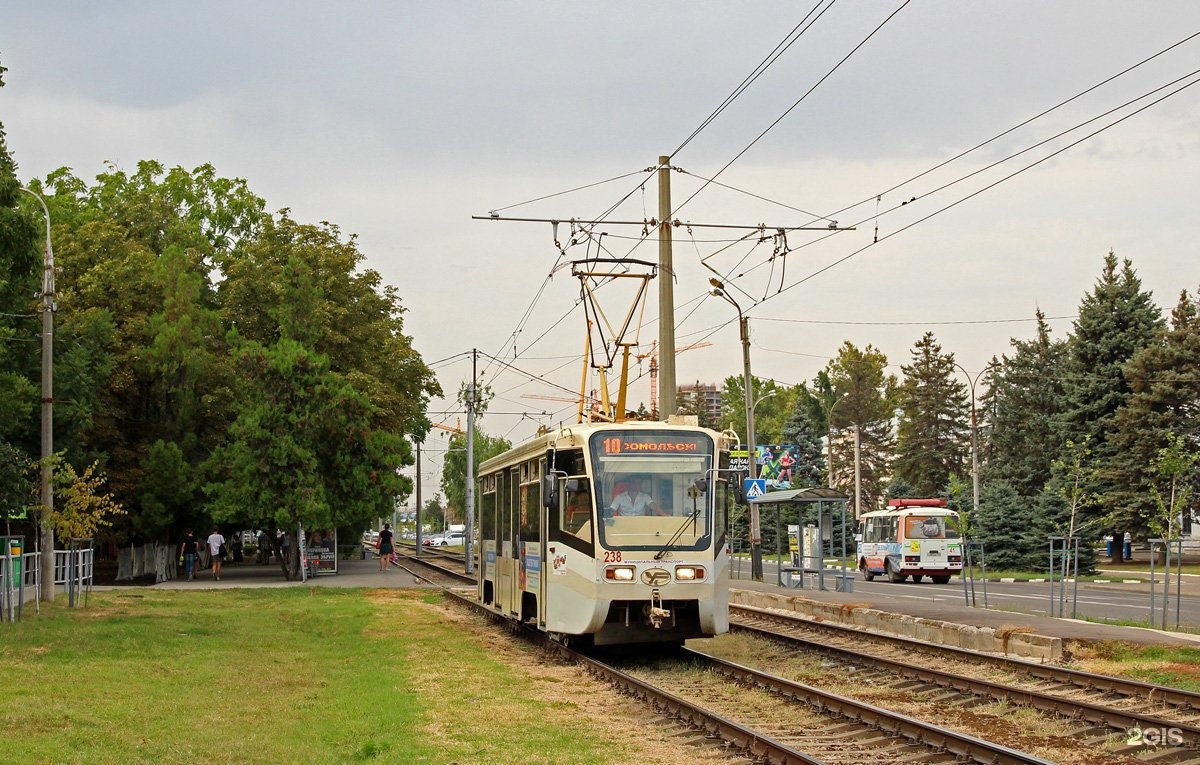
[[46, 532]]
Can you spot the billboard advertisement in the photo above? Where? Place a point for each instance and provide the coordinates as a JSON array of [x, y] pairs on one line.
[[775, 463]]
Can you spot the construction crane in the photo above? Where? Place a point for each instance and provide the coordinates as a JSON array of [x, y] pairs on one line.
[[653, 356], [459, 431]]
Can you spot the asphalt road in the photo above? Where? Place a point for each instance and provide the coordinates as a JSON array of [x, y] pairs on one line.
[[1112, 601]]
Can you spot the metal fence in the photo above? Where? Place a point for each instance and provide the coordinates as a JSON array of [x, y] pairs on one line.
[[20, 578]]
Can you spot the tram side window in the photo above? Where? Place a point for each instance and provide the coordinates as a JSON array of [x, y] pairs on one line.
[[487, 520], [721, 510], [504, 510], [514, 486], [531, 505]]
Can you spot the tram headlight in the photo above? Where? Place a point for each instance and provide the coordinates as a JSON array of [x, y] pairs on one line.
[[619, 573], [689, 573]]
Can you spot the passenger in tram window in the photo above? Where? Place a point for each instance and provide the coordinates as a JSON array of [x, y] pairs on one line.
[[633, 500]]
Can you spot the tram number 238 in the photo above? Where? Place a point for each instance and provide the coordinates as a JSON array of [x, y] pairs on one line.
[[612, 556]]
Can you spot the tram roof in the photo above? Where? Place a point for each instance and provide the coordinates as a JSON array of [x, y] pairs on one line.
[[816, 494]]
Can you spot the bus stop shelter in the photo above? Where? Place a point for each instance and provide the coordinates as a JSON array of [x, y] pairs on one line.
[[806, 568]]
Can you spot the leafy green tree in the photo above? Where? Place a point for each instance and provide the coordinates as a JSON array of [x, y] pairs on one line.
[[1176, 467], [769, 415], [20, 267], [1116, 320], [304, 282], [454, 468], [1164, 379], [858, 376], [932, 435], [17, 484], [303, 449], [1025, 399], [1073, 474]]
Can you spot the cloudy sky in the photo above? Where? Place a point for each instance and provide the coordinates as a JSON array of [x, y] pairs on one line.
[[399, 121]]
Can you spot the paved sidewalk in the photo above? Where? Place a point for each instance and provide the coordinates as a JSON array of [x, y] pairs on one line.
[[351, 573]]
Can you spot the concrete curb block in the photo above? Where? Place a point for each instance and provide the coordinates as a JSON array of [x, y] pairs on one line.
[[1010, 641]]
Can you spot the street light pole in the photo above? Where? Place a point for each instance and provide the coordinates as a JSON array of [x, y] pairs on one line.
[[45, 530], [974, 439], [756, 566]]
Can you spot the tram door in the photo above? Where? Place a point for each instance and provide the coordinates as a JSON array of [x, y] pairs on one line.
[[512, 550]]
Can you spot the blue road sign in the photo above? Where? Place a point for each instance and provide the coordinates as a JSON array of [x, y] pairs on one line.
[[755, 487]]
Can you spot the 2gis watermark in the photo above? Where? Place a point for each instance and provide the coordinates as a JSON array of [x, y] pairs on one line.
[[1154, 737]]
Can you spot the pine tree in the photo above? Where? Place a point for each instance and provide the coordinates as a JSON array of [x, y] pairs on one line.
[[932, 436], [1023, 402], [857, 375], [1164, 378], [801, 431], [1116, 320]]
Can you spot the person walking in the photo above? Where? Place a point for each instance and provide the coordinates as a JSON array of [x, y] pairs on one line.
[[189, 550], [385, 546], [216, 551]]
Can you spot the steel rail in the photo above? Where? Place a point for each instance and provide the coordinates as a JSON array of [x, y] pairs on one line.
[[927, 734], [1114, 718], [1086, 680]]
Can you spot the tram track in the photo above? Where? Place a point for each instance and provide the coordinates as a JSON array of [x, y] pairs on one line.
[[788, 723], [1102, 706], [861, 730]]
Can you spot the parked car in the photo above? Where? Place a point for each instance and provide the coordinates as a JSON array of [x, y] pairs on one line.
[[449, 538]]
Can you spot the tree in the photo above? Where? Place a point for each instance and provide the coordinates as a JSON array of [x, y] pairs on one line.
[[1164, 379], [857, 375], [1024, 401], [1073, 475], [932, 434], [454, 467], [303, 449], [1116, 320], [81, 506], [19, 266], [769, 415], [1176, 466], [801, 431]]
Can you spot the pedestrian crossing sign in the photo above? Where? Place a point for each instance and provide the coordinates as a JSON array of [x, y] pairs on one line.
[[755, 487]]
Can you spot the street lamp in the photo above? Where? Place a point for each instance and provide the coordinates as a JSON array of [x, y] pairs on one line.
[[718, 290], [857, 453], [46, 531], [974, 438]]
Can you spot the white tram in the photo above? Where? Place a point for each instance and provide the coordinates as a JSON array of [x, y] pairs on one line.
[[560, 550]]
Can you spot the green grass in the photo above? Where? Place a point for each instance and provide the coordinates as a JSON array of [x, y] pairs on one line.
[[313, 675], [1176, 666]]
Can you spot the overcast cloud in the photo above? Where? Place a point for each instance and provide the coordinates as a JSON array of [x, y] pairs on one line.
[[398, 121]]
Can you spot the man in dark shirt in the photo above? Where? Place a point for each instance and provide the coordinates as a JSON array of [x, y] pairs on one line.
[[188, 551]]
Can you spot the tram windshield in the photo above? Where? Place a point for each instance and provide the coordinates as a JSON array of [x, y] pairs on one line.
[[653, 489]]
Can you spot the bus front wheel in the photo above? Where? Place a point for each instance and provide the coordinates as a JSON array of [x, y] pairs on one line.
[[867, 574]]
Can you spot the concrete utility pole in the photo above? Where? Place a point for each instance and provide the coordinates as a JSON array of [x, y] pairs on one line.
[[45, 530], [667, 395], [666, 295], [469, 498], [418, 495], [718, 290]]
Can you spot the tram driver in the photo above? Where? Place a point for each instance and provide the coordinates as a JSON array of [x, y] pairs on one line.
[[633, 500]]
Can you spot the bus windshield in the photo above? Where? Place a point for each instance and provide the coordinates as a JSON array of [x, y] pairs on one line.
[[929, 527], [652, 487]]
